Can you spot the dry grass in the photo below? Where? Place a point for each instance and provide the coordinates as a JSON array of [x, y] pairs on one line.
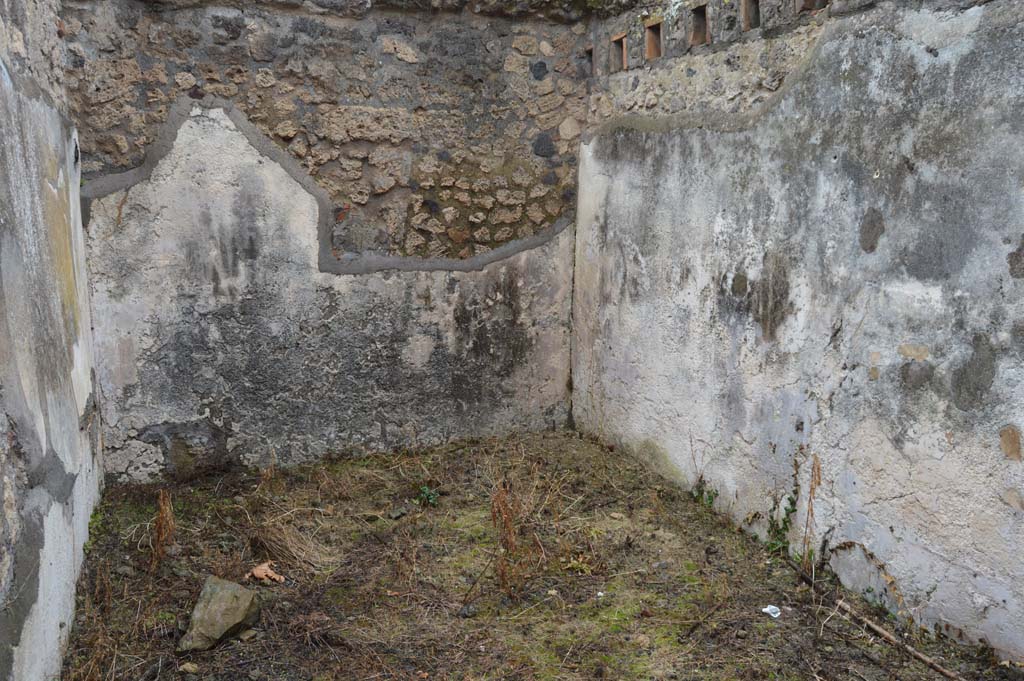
[[283, 542], [163, 529], [93, 605], [807, 555], [317, 630], [520, 551], [546, 557]]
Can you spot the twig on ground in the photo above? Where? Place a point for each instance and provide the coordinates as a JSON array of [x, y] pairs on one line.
[[465, 599], [699, 623], [878, 630], [526, 610], [821, 632]]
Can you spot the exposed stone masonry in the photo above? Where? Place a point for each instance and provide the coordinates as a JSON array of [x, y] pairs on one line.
[[441, 137], [739, 68], [416, 164]]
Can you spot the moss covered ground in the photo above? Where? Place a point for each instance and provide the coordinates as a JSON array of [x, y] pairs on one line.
[[541, 557]]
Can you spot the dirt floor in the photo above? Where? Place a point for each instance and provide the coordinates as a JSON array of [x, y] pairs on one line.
[[544, 557]]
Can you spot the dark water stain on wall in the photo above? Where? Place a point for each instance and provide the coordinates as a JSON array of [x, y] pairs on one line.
[[972, 381], [190, 449], [733, 297], [941, 248], [740, 285], [1015, 260], [1017, 336], [769, 295], [297, 383], [916, 374], [219, 258], [872, 227], [489, 329], [766, 299]]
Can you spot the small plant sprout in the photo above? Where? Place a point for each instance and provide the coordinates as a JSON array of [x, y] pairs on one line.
[[704, 494], [426, 496]]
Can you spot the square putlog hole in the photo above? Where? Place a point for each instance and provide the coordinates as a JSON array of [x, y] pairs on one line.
[[653, 49], [700, 31], [619, 57], [751, 14]]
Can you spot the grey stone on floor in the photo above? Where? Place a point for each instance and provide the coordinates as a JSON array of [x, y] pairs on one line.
[[224, 608]]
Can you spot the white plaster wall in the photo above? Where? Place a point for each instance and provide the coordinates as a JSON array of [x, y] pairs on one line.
[[215, 324], [895, 366], [50, 476]]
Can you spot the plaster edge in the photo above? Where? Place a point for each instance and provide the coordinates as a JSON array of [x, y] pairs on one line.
[[738, 122], [353, 263]]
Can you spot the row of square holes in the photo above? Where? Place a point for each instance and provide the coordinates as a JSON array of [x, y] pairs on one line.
[[700, 34]]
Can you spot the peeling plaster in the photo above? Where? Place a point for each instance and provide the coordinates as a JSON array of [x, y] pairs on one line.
[[258, 352], [48, 470], [872, 200]]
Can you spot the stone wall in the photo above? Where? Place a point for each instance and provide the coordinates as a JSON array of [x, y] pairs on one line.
[[433, 135], [220, 339], [738, 69], [49, 479], [316, 228], [319, 231], [810, 300], [31, 40]]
